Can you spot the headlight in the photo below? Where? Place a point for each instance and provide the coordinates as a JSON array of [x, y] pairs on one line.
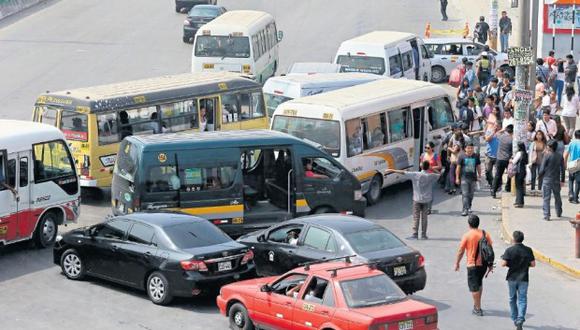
[[357, 194]]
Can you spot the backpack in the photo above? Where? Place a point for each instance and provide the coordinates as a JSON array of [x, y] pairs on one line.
[[487, 254], [467, 115]]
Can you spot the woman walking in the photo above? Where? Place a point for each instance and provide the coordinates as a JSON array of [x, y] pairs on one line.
[[570, 110], [519, 163], [537, 149], [560, 80]]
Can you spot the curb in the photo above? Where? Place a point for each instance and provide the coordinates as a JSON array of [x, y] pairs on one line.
[[506, 235]]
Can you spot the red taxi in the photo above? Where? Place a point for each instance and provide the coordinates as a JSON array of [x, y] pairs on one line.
[[330, 295]]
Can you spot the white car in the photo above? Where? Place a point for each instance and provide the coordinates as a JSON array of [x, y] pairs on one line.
[[448, 53]]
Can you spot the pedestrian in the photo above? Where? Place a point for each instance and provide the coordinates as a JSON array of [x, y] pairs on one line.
[[550, 171], [488, 106], [470, 75], [444, 10], [422, 195], [550, 60], [519, 164], [504, 153], [505, 29], [483, 65], [562, 138], [547, 125], [559, 80], [455, 145], [570, 70], [435, 166], [537, 150], [508, 119], [530, 132], [518, 258], [481, 30], [491, 152], [466, 175], [571, 158], [570, 109], [476, 270], [467, 112], [542, 71], [540, 88], [462, 91]]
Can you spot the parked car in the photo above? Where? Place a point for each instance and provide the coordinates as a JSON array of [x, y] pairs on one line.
[[283, 247], [165, 254], [448, 53], [197, 17], [331, 295], [183, 6]]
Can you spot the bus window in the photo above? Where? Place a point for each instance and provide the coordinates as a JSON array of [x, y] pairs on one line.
[[179, 116], [245, 106], [399, 128], [395, 65], [440, 113], [407, 60], [230, 109], [222, 46], [321, 131], [127, 160], [195, 178], [74, 126], [47, 115], [108, 128], [373, 132], [255, 47], [354, 137], [162, 178], [207, 114], [23, 171], [142, 121], [51, 161]]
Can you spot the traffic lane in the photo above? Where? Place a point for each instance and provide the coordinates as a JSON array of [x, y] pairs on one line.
[[447, 289], [74, 44]]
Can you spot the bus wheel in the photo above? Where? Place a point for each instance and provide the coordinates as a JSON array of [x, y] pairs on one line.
[[46, 230], [374, 193]]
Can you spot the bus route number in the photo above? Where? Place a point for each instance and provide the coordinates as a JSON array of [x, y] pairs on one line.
[[290, 112]]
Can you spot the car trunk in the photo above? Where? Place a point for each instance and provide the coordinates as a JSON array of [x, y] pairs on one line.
[[396, 262], [405, 310], [221, 258]]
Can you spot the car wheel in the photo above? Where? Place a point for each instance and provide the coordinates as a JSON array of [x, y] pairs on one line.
[[239, 318], [374, 193], [158, 289], [72, 265], [185, 39], [438, 74], [46, 230]]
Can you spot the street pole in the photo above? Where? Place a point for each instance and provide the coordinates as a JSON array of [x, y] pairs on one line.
[[493, 20], [534, 38]]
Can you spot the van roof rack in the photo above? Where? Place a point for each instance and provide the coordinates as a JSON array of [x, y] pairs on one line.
[[334, 271], [308, 264]]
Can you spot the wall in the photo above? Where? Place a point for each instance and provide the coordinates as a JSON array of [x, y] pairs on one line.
[[563, 31]]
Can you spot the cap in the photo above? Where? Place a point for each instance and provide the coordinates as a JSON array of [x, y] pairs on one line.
[[484, 53]]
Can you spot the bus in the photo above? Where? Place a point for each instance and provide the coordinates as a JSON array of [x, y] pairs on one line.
[[39, 188], [278, 90], [389, 53], [239, 180], [243, 41], [371, 127], [95, 119]]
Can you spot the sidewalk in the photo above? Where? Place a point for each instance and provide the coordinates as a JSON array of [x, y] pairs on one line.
[[552, 241]]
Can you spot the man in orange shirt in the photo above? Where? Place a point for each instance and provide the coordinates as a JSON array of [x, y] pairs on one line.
[[476, 271]]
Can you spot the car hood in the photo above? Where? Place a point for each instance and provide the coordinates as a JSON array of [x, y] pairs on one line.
[[406, 309]]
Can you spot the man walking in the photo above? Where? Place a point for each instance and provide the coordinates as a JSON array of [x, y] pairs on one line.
[[504, 153], [476, 270], [518, 258], [444, 10], [570, 156], [550, 171], [481, 30], [505, 29], [467, 174], [422, 196], [492, 147]]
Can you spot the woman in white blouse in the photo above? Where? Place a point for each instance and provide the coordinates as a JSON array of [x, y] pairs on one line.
[[570, 110]]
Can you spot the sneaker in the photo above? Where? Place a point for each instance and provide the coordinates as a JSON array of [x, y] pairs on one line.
[[413, 237], [519, 326], [464, 213], [477, 312], [546, 218], [469, 211]]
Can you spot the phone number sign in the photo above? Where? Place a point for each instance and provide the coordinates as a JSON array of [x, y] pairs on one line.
[[520, 56]]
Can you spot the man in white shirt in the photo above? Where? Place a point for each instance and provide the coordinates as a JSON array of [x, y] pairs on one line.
[[547, 125], [508, 119]]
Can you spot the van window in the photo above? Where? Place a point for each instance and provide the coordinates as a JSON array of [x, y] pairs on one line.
[[395, 65], [374, 134], [230, 108], [127, 160], [407, 60], [74, 126], [11, 173], [354, 137], [440, 113], [162, 179], [179, 116], [257, 105], [23, 171], [365, 64], [108, 128], [399, 125], [195, 178], [425, 54], [256, 47], [320, 168], [322, 131], [52, 160]]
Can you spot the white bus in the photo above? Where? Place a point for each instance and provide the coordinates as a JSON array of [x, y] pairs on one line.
[[278, 90], [243, 41], [388, 53], [371, 127], [39, 188]]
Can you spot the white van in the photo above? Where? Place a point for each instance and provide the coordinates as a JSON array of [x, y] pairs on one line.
[[243, 41], [388, 53], [313, 67], [278, 90]]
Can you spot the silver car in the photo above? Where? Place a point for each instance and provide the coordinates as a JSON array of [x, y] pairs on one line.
[[448, 53]]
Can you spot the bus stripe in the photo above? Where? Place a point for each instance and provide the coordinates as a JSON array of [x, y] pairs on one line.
[[214, 209]]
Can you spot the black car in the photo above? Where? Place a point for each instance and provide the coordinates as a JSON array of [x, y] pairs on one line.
[[197, 17], [166, 254], [281, 248], [182, 6]]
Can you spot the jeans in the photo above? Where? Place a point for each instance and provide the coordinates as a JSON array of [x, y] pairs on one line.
[[444, 10], [420, 215], [536, 174], [500, 167], [561, 148], [559, 85], [549, 187], [467, 191], [504, 39], [450, 182], [518, 291], [489, 164], [520, 187], [574, 186]]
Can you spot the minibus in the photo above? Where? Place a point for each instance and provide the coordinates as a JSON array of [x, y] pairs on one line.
[[278, 90], [389, 53], [243, 41], [371, 127], [239, 180], [39, 189]]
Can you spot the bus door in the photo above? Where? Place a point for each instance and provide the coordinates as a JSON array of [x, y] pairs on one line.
[[394, 63], [419, 133], [408, 63], [8, 198], [439, 119], [208, 114]]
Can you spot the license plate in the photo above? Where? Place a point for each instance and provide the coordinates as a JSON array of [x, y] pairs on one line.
[[406, 325], [223, 266], [400, 271]]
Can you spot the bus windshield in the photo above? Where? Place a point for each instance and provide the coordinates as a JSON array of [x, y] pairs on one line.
[[273, 101], [46, 115], [365, 64], [222, 46], [74, 126], [323, 132]]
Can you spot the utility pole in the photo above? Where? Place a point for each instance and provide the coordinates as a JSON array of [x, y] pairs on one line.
[[534, 31], [493, 22]]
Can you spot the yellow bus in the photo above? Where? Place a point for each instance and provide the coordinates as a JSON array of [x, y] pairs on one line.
[[95, 119]]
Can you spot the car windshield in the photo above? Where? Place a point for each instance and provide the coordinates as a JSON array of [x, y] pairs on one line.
[[364, 64], [371, 291], [373, 240], [195, 234], [273, 101], [222, 46], [203, 12], [321, 131]]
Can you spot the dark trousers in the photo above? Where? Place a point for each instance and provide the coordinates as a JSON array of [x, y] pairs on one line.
[[574, 186], [489, 164], [548, 188], [450, 182], [444, 10], [520, 188], [536, 174], [500, 167]]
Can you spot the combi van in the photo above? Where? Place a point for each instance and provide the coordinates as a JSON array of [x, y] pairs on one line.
[[387, 53], [239, 180]]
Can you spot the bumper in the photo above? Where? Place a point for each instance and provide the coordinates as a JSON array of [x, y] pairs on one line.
[[414, 282], [189, 32], [184, 283], [359, 206], [88, 182], [221, 303]]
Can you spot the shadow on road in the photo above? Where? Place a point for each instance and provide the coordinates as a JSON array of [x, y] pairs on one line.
[[440, 305], [23, 258], [95, 196]]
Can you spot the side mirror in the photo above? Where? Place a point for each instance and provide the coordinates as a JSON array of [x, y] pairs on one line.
[[261, 238], [280, 35], [266, 288]]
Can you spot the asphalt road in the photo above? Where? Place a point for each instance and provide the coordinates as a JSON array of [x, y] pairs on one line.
[[70, 44]]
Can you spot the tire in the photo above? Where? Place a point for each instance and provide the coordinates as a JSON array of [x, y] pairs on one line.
[[239, 318], [438, 74], [158, 289], [374, 194], [322, 210], [185, 39], [72, 265], [46, 230]]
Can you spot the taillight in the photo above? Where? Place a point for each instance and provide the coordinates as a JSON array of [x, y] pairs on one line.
[[86, 163], [247, 257], [195, 265], [431, 319], [421, 261], [136, 204]]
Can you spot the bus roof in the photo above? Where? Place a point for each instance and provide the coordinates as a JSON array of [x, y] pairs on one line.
[[319, 80], [382, 38], [146, 91], [18, 135], [235, 21]]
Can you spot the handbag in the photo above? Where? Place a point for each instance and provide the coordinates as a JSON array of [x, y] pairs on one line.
[[573, 166], [512, 169], [455, 77]]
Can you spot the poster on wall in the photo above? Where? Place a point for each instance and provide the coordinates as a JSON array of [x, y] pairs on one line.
[[561, 17]]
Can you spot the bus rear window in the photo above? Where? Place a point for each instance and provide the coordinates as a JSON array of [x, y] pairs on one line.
[[222, 46], [46, 115], [365, 64], [74, 126], [127, 160]]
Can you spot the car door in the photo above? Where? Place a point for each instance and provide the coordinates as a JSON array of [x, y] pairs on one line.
[[8, 200], [472, 51], [317, 244], [275, 308], [425, 59], [138, 253], [102, 251], [275, 255], [316, 306]]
